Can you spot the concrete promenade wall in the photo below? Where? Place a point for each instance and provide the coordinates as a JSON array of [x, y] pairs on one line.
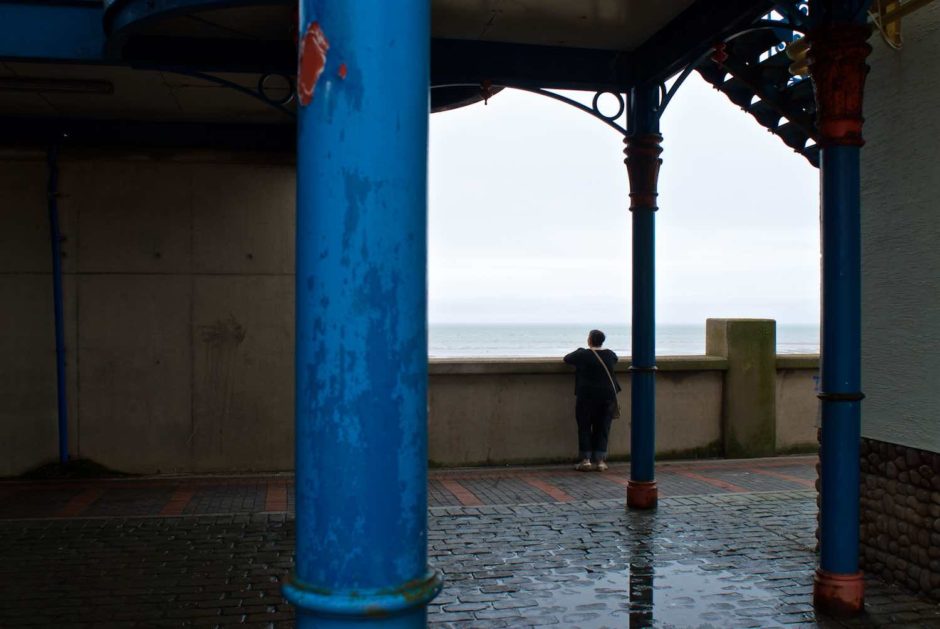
[[179, 300], [490, 411]]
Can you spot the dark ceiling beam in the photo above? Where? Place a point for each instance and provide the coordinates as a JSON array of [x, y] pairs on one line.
[[137, 134], [211, 55], [453, 62], [691, 34], [518, 65]]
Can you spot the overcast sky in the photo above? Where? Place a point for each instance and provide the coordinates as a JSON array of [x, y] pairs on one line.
[[529, 218]]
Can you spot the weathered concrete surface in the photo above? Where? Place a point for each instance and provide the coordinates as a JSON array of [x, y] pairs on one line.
[[487, 411], [900, 228], [749, 396], [27, 343], [161, 251], [243, 364], [797, 405]]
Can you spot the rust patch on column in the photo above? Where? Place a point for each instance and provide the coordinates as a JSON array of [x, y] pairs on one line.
[[311, 61]]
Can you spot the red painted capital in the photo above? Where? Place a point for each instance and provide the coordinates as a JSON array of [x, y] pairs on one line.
[[642, 494], [643, 163], [837, 66]]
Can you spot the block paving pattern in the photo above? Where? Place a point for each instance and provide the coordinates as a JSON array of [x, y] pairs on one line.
[[731, 545]]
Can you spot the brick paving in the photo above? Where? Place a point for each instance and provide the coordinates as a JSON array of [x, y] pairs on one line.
[[731, 545]]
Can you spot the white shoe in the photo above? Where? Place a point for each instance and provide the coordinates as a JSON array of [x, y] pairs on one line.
[[602, 466], [584, 466]]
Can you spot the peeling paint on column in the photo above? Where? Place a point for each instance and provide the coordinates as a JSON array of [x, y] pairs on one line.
[[311, 61]]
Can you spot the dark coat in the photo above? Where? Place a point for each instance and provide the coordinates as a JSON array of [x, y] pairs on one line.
[[591, 381]]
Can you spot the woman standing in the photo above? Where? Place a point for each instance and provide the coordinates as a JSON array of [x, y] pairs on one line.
[[596, 389]]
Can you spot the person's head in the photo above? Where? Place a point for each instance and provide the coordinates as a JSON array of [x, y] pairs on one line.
[[596, 338]]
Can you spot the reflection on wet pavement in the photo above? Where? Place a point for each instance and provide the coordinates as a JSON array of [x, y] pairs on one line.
[[714, 562]]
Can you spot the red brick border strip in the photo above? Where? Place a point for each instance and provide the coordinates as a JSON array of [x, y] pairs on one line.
[[805, 482], [466, 497], [275, 498], [548, 488], [178, 502], [714, 482], [79, 503], [616, 478]]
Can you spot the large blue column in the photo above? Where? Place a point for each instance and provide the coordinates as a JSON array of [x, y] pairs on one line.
[[642, 159], [361, 322], [837, 65]]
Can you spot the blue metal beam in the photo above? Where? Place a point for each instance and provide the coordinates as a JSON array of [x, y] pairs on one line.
[[52, 31], [361, 321]]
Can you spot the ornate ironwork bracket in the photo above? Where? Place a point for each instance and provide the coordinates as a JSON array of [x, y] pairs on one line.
[[487, 89], [261, 91], [593, 110], [760, 25]]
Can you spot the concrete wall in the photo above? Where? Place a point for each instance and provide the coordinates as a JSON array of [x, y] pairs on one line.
[[497, 411], [179, 285], [522, 410], [179, 332], [900, 232], [797, 405], [27, 343]]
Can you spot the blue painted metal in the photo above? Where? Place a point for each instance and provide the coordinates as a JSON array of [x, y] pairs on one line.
[[644, 119], [841, 359], [361, 322], [55, 237], [840, 351], [40, 31]]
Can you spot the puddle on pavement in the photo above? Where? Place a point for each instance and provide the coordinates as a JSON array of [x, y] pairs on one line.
[[673, 595]]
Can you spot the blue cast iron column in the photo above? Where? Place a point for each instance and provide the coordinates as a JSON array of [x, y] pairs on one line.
[[643, 161], [837, 66], [361, 322]]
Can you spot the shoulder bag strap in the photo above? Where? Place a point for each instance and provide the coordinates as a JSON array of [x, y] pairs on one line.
[[607, 371]]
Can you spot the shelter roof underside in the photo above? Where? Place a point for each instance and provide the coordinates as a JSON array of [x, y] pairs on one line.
[[149, 60]]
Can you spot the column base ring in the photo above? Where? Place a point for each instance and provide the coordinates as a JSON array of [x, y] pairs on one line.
[[642, 494], [376, 603], [839, 594]]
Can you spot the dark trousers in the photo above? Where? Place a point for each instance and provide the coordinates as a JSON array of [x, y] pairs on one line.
[[594, 417]]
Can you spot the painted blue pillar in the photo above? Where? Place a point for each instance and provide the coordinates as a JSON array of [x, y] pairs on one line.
[[55, 238], [643, 161], [837, 66], [361, 316], [841, 362]]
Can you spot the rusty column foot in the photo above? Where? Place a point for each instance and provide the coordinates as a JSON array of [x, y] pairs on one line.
[[839, 594], [642, 494]]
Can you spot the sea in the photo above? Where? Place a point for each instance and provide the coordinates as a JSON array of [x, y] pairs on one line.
[[465, 340]]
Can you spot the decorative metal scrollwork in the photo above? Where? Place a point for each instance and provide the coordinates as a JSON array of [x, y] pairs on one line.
[[764, 24], [487, 89], [262, 91]]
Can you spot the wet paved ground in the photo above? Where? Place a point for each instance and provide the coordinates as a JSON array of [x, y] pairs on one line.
[[730, 546]]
